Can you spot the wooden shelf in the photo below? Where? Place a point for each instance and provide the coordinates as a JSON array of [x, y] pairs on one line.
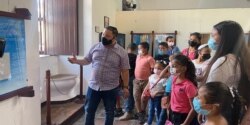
[[20, 13], [22, 92]]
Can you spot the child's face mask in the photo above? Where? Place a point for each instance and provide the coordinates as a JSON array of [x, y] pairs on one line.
[[172, 70], [197, 107]]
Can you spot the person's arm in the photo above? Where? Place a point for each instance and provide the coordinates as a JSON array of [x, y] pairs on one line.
[[191, 92], [162, 74], [191, 114], [165, 102], [124, 65], [147, 88], [87, 59], [152, 64], [125, 77], [74, 60]]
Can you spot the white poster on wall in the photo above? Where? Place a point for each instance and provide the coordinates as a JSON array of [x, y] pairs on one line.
[[5, 67]]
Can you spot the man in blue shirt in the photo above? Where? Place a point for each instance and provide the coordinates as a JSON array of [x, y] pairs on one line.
[[109, 61]]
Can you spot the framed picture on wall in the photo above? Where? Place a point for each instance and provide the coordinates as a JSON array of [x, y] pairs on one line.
[[106, 21]]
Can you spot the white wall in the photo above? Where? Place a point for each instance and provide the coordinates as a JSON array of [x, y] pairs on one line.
[[190, 4], [100, 9], [91, 13], [17, 110], [184, 21]]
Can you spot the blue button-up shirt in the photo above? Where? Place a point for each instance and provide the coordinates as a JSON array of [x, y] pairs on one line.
[[107, 64]]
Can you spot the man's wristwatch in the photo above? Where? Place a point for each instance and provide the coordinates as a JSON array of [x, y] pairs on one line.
[[125, 87]]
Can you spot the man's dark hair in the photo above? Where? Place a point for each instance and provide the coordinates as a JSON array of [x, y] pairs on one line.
[[113, 30], [169, 37], [198, 35], [163, 44], [145, 45], [132, 46]]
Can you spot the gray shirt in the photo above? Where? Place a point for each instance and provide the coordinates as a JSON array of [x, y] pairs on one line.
[[107, 64]]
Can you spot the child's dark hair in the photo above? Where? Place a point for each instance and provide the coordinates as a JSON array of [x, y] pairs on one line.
[[163, 44], [197, 35], [163, 63], [228, 100], [145, 45], [190, 72], [169, 37], [132, 46]]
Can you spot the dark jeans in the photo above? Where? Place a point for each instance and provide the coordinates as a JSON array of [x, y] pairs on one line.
[[93, 99], [163, 117], [130, 102], [179, 118], [154, 107]]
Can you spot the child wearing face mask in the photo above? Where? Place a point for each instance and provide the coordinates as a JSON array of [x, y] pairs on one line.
[[220, 104], [201, 62], [183, 91], [156, 92], [162, 52], [143, 69], [172, 48], [194, 43]]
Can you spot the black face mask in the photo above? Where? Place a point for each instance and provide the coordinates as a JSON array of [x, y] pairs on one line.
[[192, 43], [206, 56], [106, 42], [2, 46]]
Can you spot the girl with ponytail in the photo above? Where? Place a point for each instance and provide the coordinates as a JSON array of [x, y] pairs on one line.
[[184, 89], [220, 104], [230, 64]]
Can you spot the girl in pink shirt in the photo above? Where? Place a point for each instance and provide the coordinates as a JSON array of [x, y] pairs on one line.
[[183, 91]]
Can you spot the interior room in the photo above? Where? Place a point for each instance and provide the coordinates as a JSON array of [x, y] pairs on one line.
[[38, 83]]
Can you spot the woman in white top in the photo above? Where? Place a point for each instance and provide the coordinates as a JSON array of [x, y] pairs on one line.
[[201, 62], [230, 64]]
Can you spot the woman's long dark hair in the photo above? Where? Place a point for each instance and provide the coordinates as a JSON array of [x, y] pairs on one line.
[[228, 100], [232, 41], [190, 72]]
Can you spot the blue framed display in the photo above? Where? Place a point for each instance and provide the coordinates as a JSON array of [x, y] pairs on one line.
[[13, 73]]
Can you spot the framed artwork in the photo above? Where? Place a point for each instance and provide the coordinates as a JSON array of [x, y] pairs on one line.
[[13, 55], [106, 21], [153, 39]]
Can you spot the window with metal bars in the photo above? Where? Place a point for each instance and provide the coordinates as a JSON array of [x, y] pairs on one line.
[[58, 28]]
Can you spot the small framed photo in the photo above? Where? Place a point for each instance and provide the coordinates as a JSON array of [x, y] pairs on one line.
[[106, 21], [97, 29]]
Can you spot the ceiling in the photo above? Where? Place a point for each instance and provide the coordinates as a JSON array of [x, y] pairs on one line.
[[190, 4]]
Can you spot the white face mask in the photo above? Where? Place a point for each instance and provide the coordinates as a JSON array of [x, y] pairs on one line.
[[170, 43], [140, 52], [172, 71], [157, 71]]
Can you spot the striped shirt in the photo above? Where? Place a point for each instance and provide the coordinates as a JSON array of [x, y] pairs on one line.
[[107, 64]]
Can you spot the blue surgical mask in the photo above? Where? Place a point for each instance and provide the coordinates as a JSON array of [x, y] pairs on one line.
[[212, 44], [197, 107], [160, 52]]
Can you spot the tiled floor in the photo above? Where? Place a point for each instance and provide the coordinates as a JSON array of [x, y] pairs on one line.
[[99, 120]]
